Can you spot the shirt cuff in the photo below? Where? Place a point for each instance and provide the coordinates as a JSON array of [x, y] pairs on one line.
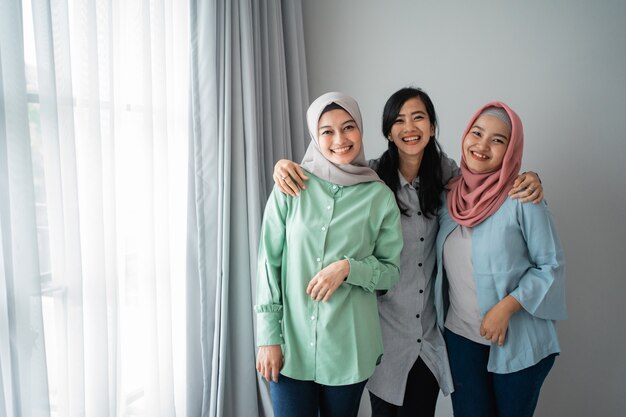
[[269, 328], [363, 274]]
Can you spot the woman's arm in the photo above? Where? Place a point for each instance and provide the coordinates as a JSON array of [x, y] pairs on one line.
[[325, 282], [527, 187], [496, 321], [269, 298], [289, 177], [541, 290], [269, 307], [269, 362], [381, 270]]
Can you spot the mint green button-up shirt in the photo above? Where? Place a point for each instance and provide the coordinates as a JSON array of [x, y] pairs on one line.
[[337, 342]]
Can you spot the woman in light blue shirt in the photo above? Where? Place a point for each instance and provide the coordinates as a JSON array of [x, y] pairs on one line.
[[500, 276]]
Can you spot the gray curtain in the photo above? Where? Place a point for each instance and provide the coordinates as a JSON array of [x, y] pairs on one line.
[[248, 98]]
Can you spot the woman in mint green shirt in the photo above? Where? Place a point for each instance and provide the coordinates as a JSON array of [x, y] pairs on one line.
[[321, 258]]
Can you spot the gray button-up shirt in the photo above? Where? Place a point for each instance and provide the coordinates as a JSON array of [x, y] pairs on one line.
[[407, 311]]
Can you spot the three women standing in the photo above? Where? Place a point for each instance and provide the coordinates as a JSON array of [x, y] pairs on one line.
[[415, 363]]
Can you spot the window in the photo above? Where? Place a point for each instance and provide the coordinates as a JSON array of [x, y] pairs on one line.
[[129, 190]]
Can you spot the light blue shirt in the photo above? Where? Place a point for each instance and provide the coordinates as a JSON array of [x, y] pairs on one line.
[[515, 251]]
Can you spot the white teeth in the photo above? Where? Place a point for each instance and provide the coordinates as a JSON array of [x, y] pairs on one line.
[[341, 150], [412, 139], [480, 155]]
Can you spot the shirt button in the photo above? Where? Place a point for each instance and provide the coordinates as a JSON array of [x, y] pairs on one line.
[[323, 228], [312, 344], [421, 291], [419, 213], [419, 264], [419, 340], [417, 315], [281, 335], [421, 239], [328, 207], [334, 187], [318, 259], [312, 317]]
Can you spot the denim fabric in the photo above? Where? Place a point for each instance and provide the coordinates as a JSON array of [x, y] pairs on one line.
[[480, 393], [295, 398]]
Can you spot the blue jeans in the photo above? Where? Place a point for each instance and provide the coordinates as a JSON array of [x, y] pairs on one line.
[[420, 395], [479, 393], [295, 398]]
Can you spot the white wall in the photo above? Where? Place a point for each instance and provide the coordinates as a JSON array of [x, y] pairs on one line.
[[562, 66]]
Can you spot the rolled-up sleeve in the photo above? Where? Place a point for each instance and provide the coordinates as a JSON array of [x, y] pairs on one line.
[[541, 290], [381, 270]]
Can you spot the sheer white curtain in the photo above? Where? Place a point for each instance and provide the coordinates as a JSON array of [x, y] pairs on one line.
[[93, 154], [248, 98]]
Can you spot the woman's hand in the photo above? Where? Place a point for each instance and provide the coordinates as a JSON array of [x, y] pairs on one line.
[[269, 362], [527, 187], [325, 282], [496, 321], [289, 177]]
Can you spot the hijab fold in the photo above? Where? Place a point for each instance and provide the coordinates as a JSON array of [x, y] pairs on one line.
[[316, 163], [473, 197]]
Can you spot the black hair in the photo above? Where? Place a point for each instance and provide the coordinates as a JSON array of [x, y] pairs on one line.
[[331, 106], [430, 175]]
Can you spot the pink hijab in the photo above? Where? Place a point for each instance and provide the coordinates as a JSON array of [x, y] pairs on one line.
[[474, 197]]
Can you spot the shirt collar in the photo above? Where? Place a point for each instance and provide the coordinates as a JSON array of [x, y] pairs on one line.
[[404, 182]]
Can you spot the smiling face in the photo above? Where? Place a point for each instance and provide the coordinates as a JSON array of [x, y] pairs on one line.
[[339, 137], [485, 144], [412, 128]]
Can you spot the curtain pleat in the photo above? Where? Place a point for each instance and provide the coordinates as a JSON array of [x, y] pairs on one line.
[[23, 352], [241, 119], [59, 153]]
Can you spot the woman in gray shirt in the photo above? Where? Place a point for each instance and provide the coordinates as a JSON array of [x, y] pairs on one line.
[[415, 364]]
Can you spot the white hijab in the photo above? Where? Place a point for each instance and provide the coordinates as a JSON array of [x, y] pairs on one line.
[[316, 163]]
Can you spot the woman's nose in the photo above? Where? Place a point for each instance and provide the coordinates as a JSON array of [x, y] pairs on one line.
[[482, 143]]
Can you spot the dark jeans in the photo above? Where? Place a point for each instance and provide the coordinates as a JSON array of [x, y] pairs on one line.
[[479, 393], [420, 395], [295, 398]]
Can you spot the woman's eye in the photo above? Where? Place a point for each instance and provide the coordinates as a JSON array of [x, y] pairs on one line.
[[476, 133], [419, 117], [325, 132], [397, 121], [349, 127]]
